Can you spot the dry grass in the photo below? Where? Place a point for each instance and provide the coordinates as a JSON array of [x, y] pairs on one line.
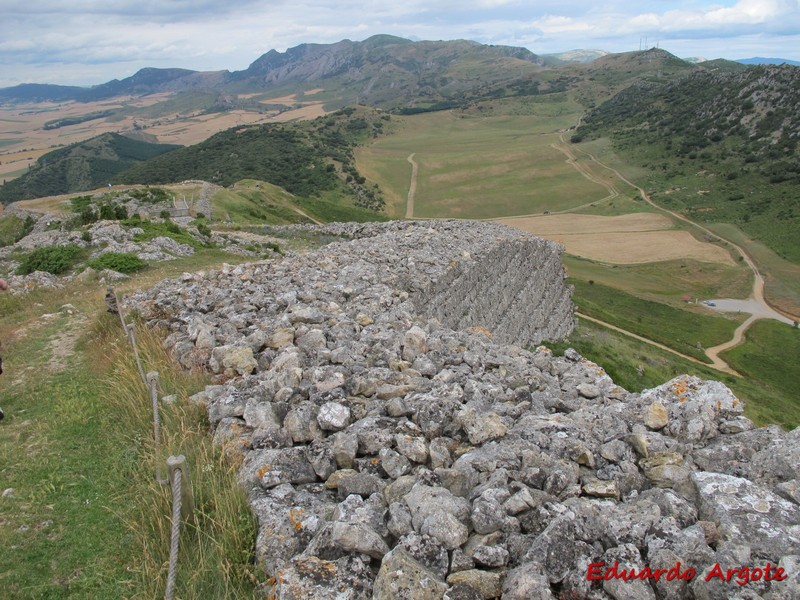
[[216, 546], [627, 239]]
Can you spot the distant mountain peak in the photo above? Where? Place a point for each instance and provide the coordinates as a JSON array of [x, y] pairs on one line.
[[760, 60]]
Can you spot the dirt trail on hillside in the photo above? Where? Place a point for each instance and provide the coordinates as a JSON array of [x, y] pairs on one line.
[[412, 187], [757, 294], [717, 363]]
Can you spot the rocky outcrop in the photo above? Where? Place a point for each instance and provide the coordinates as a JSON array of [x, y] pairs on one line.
[[388, 454]]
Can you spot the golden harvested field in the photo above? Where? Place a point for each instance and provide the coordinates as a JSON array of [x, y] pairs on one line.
[[23, 138], [626, 239]]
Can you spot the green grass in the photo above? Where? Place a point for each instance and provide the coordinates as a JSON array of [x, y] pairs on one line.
[[472, 166], [768, 358], [667, 281], [681, 330], [328, 211], [252, 202], [636, 366], [86, 518], [168, 229], [246, 205], [12, 229]]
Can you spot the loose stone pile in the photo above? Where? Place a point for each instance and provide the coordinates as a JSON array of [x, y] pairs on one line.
[[397, 439]]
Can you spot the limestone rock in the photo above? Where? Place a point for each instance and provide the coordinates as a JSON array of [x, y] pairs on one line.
[[656, 416], [401, 576], [749, 514]]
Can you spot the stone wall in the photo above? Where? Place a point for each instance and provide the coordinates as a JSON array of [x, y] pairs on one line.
[[516, 291], [393, 445]]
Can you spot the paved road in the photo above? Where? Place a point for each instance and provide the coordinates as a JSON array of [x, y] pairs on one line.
[[749, 306]]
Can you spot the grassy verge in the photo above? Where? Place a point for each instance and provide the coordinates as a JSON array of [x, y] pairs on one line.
[[636, 366], [763, 359], [86, 518], [684, 331]]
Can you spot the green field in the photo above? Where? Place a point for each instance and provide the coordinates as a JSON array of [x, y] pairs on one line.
[[480, 167], [687, 332], [668, 282], [768, 358]]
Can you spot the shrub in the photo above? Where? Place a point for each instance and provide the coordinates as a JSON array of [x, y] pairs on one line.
[[54, 259], [107, 212], [121, 262], [204, 229], [86, 236]]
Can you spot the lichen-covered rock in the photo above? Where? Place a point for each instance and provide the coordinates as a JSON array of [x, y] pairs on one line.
[[312, 578], [398, 424], [695, 408], [747, 513], [401, 576]]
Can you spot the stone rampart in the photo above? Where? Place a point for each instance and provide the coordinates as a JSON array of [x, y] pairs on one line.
[[395, 445]]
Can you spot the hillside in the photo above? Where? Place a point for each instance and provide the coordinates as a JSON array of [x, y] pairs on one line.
[[721, 147], [81, 166], [391, 72], [145, 81], [307, 159], [600, 79]]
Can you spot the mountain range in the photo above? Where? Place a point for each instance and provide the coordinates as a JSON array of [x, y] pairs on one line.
[[382, 70], [737, 122]]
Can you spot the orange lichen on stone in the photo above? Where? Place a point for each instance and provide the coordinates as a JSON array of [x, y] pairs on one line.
[[296, 518], [680, 389], [480, 329], [263, 471]]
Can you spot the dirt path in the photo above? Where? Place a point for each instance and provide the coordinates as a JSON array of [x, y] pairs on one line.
[[717, 363], [412, 187], [757, 294], [738, 337], [573, 160], [306, 215]]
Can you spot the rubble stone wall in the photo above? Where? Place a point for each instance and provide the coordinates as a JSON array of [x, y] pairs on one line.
[[394, 445]]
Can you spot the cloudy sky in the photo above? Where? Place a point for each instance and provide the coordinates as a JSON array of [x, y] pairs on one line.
[[86, 42]]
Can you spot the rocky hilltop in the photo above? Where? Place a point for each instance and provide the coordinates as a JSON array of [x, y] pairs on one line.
[[400, 437]]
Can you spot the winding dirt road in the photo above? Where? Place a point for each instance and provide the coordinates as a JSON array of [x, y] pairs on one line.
[[764, 311], [718, 364]]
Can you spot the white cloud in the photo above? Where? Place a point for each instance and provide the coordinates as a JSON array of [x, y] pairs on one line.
[[83, 35]]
